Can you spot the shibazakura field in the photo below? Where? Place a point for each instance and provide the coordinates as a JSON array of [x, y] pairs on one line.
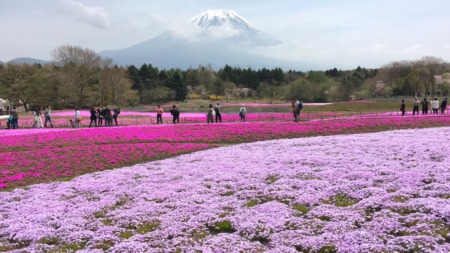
[[64, 189]]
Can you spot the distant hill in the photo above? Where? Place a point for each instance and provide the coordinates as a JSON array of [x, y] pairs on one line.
[[25, 60]]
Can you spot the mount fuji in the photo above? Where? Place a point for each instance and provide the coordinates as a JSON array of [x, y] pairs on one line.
[[217, 37]]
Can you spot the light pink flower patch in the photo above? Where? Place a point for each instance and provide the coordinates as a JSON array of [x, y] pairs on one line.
[[378, 192]]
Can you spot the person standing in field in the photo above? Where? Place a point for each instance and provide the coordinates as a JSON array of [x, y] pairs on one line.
[[443, 105], [242, 112], [93, 117], [37, 118], [116, 112], [77, 120], [100, 115], [41, 123], [416, 106], [159, 111], [9, 122], [298, 109], [175, 114], [403, 107], [424, 106], [294, 109], [15, 119], [210, 115], [108, 116], [218, 111], [48, 116], [435, 105]]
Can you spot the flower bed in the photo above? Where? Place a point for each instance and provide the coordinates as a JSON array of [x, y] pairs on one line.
[[41, 156], [378, 192]]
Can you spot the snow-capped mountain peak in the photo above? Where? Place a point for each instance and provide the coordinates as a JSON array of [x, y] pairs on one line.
[[223, 18]]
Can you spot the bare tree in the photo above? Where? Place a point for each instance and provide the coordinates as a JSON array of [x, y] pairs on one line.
[[114, 84], [429, 67], [80, 67]]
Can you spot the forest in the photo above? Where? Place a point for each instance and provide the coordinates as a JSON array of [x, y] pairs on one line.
[[78, 77]]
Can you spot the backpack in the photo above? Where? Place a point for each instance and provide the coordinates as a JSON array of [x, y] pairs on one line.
[[300, 105]]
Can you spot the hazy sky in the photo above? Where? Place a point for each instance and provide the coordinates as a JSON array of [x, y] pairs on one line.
[[323, 34]]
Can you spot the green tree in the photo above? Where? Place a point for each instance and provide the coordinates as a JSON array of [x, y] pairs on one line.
[[176, 84]]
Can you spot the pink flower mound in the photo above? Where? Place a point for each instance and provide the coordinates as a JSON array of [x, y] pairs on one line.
[[378, 192]]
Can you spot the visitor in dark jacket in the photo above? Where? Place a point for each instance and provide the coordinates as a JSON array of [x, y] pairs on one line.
[[93, 117], [115, 114], [424, 106], [443, 105], [175, 114], [403, 107], [218, 111]]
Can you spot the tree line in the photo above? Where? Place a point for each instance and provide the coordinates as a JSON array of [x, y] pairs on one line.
[[78, 77]]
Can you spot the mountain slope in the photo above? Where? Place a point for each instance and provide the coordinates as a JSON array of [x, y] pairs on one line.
[[223, 38]]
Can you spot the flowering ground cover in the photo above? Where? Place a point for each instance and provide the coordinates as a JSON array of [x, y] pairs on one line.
[[41, 155], [129, 118], [376, 192]]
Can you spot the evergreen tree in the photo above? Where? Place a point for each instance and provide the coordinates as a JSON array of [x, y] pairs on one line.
[[176, 84]]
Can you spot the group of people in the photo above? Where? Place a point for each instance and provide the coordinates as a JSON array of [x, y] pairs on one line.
[[37, 116], [214, 114], [433, 106], [13, 119], [98, 116], [175, 112]]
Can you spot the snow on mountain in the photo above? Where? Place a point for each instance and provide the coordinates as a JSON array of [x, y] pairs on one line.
[[228, 25], [223, 18]]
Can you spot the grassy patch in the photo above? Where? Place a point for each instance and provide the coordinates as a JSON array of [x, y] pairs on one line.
[[271, 179], [340, 201], [148, 226], [221, 227], [303, 209], [126, 234]]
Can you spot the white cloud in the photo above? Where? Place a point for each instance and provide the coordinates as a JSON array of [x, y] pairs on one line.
[[96, 16]]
